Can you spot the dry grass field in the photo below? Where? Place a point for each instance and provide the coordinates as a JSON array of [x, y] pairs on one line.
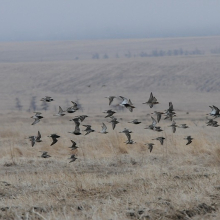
[[110, 179]]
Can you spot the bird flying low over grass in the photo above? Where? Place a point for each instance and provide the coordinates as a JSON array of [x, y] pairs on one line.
[[45, 154], [36, 117], [54, 138], [114, 122], [161, 139], [109, 113], [104, 129], [73, 147], [35, 139], [150, 146], [189, 140], [127, 103], [47, 99], [72, 158], [111, 98], [151, 101], [60, 113]]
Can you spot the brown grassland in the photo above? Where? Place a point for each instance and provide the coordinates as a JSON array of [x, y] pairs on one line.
[[109, 180]]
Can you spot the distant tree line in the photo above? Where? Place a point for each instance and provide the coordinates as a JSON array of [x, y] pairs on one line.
[[215, 50], [175, 52], [157, 53]]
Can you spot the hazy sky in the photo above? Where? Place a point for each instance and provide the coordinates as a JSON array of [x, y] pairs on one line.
[[22, 20]]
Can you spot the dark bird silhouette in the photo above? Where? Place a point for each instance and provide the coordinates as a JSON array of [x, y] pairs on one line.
[[113, 121], [77, 124], [161, 139], [45, 154], [47, 99], [109, 113], [151, 101], [189, 140], [54, 138]]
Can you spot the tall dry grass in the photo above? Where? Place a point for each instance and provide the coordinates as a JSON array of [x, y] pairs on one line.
[[109, 180]]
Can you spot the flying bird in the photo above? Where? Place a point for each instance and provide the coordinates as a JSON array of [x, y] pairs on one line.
[[77, 124], [113, 121], [109, 113], [189, 140], [127, 103], [104, 128], [45, 154], [47, 99], [54, 138], [111, 98], [60, 113], [35, 139], [72, 158], [161, 139], [150, 146], [36, 117], [135, 121], [73, 147], [151, 101], [173, 125], [88, 129], [73, 108]]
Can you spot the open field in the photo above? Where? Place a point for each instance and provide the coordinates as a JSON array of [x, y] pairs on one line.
[[24, 75], [109, 180]]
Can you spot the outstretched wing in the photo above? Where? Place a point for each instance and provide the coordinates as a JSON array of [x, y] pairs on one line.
[[54, 141], [104, 128], [151, 97], [154, 122], [35, 121]]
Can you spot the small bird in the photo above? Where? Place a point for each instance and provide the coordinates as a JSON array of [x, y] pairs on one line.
[[150, 146], [215, 111], [88, 129], [161, 139], [47, 99], [127, 103], [135, 121], [169, 113], [109, 113], [111, 98], [127, 133], [183, 126], [130, 142], [35, 139], [114, 122], [173, 126], [152, 101], [158, 114], [158, 129], [54, 138], [189, 140], [104, 128], [36, 117], [72, 158], [73, 108], [73, 147], [45, 154], [153, 125], [77, 124], [82, 117], [60, 113]]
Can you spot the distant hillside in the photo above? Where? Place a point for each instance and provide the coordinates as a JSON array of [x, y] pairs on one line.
[[104, 49], [193, 82]]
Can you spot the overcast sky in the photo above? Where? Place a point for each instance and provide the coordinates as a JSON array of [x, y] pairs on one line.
[[32, 20]]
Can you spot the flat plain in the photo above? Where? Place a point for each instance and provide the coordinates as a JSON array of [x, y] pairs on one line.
[[110, 179]]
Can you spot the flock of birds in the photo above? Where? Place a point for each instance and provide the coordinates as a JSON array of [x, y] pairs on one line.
[[126, 103]]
